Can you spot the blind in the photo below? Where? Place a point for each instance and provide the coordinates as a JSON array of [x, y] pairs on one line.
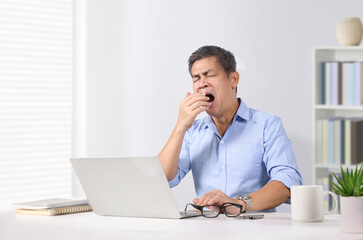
[[35, 99]]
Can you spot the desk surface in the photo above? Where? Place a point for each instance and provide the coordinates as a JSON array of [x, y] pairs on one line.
[[90, 226]]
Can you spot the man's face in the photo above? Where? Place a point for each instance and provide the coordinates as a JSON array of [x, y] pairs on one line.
[[209, 77]]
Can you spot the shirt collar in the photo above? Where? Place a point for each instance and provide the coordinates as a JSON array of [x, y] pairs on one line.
[[242, 112]]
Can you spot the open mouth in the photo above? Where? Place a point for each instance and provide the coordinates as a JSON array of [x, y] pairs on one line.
[[211, 97]]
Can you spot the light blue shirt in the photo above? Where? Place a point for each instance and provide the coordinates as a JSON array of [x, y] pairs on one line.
[[253, 151]]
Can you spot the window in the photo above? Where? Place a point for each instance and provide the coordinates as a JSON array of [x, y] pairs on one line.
[[35, 99]]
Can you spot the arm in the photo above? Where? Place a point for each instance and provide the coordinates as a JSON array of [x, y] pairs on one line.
[[281, 166], [170, 154], [190, 107], [269, 196]]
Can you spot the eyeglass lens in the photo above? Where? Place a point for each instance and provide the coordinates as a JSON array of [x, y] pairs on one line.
[[232, 210], [213, 211]]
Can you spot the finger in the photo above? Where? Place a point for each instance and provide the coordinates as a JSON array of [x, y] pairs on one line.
[[195, 108], [213, 201], [204, 201], [198, 104], [193, 113], [218, 198], [195, 200], [186, 98], [199, 110], [192, 98], [201, 200]]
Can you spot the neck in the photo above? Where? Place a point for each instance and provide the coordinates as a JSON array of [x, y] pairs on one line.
[[222, 122]]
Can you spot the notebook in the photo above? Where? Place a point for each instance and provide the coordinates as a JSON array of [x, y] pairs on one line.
[[50, 203], [53, 206], [128, 187]]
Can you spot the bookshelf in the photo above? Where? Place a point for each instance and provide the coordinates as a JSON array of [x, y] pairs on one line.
[[323, 111]]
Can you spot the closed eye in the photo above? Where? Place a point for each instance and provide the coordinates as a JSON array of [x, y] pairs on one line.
[[195, 79]]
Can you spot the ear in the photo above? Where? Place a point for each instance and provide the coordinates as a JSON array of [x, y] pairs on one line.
[[234, 76]]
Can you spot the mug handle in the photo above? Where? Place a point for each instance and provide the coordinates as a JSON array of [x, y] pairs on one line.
[[335, 203]]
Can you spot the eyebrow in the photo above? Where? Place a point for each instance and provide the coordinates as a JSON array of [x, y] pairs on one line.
[[204, 73]]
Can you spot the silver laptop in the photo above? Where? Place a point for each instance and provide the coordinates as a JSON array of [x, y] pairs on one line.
[[128, 187]]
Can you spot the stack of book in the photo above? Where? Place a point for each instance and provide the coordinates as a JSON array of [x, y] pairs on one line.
[[54, 206], [342, 83], [339, 140]]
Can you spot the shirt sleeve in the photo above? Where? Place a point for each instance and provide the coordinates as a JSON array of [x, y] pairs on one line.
[[279, 157], [183, 162]]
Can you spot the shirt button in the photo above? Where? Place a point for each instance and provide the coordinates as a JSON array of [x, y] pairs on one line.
[[222, 166], [222, 142]]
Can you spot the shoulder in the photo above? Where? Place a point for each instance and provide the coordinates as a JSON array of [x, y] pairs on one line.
[[255, 116], [265, 118], [271, 125]]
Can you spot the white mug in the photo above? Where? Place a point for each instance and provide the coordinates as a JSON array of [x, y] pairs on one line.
[[307, 203]]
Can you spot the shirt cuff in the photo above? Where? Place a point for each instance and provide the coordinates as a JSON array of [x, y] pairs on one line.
[[288, 180], [175, 181], [289, 177]]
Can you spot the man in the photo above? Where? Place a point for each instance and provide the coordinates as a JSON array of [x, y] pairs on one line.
[[237, 154]]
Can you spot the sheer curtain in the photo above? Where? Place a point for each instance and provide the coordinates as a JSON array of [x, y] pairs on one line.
[[35, 99]]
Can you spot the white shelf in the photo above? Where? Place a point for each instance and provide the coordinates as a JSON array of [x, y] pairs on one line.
[[333, 48], [323, 54], [335, 107], [333, 167]]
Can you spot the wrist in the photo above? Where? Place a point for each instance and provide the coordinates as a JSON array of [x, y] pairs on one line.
[[180, 129], [246, 199], [243, 204]]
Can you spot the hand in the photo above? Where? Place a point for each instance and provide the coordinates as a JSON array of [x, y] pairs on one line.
[[214, 197], [217, 197], [190, 107]]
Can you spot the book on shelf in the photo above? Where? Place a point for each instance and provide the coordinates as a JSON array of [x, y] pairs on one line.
[[357, 140], [342, 83], [347, 143], [53, 206], [345, 85], [339, 140], [361, 84], [328, 83], [357, 82], [319, 141], [324, 125], [323, 78], [337, 136], [334, 83], [325, 183], [330, 138], [351, 85]]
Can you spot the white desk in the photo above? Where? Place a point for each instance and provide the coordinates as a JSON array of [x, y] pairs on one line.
[[90, 226]]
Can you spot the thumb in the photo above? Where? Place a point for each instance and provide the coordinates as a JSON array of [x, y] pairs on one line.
[[188, 94]]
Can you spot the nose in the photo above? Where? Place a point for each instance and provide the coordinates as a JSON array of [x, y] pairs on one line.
[[203, 83]]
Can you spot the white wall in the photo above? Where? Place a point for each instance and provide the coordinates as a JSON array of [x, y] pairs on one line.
[[135, 66]]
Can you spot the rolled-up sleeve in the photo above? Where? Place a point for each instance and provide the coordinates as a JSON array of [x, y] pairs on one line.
[[279, 157], [183, 162]]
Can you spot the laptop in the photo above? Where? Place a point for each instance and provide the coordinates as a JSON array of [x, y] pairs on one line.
[[128, 187]]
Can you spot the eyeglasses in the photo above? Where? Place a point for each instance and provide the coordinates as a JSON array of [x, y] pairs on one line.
[[213, 211]]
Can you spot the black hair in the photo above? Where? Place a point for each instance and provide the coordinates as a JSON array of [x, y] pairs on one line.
[[224, 57]]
